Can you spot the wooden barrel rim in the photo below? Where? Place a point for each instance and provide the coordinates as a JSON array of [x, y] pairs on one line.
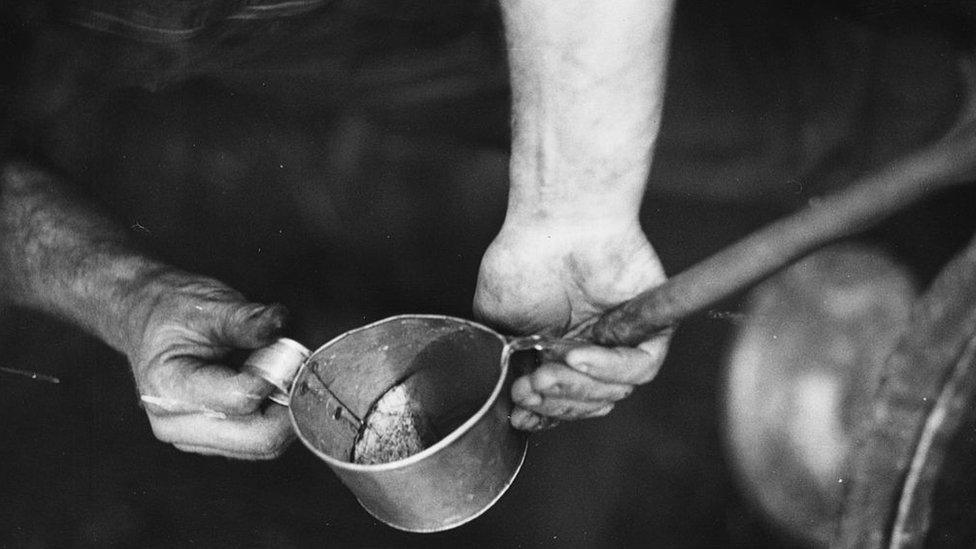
[[927, 384]]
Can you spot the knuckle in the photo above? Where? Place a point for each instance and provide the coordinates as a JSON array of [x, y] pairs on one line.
[[212, 290]]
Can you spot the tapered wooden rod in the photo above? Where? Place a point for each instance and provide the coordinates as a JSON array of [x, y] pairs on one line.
[[948, 162]]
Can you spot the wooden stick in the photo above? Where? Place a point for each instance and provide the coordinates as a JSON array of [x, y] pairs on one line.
[[867, 201]]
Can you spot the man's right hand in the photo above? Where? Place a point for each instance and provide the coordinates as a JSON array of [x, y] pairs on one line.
[[181, 328], [60, 256]]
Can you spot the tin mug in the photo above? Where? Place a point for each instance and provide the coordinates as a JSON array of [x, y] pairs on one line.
[[456, 371]]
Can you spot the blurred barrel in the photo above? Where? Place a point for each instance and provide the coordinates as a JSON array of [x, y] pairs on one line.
[[908, 447], [810, 346]]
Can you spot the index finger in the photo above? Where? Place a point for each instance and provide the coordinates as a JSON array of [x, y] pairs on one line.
[[214, 386], [263, 435], [625, 365]]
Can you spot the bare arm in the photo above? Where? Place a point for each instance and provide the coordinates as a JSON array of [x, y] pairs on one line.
[[175, 328], [60, 257], [587, 82]]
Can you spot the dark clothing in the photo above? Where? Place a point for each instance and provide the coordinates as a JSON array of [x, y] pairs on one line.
[[168, 21], [377, 56], [798, 93], [159, 42], [340, 217]]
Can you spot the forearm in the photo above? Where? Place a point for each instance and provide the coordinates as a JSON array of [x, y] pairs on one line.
[[58, 256], [587, 83]]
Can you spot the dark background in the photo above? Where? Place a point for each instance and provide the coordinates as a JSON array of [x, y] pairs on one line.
[[357, 170]]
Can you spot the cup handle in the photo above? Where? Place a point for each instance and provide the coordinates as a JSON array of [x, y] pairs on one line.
[[278, 364]]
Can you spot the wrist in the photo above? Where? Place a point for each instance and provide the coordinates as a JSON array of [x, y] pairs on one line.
[[568, 222], [570, 237], [548, 189], [598, 214]]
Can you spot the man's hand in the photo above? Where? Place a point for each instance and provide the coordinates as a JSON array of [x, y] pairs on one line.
[[59, 255], [182, 328], [539, 280], [587, 90]]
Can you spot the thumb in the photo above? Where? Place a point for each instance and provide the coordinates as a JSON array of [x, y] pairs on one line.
[[245, 325]]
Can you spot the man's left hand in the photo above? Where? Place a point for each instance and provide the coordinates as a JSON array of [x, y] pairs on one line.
[[548, 280]]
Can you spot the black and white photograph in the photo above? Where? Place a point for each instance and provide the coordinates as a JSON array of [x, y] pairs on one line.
[[487, 273]]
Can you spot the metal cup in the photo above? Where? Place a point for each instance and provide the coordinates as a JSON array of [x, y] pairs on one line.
[[455, 370]]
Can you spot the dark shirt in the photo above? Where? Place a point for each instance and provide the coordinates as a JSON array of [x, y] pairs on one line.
[[167, 21], [77, 53], [167, 40]]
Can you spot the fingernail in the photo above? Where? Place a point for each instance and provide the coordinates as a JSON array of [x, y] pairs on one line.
[[582, 367], [523, 419], [516, 414], [515, 418], [533, 399], [165, 403], [178, 406], [207, 412], [530, 422], [547, 423]]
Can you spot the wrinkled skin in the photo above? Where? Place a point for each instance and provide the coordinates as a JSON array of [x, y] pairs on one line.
[[183, 327], [542, 280]]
